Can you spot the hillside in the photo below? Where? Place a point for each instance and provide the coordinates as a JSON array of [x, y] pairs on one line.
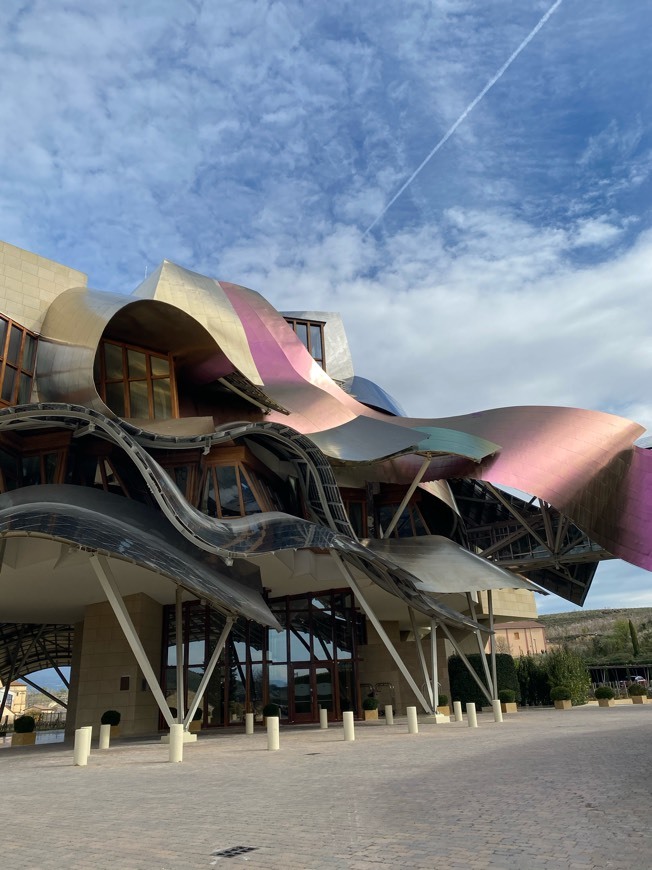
[[603, 635]]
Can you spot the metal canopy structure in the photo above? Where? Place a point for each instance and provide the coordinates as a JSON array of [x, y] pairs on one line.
[[528, 537]]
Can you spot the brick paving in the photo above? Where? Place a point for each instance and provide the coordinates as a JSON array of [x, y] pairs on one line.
[[545, 789]]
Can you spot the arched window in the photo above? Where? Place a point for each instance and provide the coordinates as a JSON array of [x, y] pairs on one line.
[[135, 382]]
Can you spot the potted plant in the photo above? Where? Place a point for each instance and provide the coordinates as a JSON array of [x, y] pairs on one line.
[[443, 707], [370, 707], [24, 731], [196, 722], [112, 718], [637, 693], [270, 710], [507, 698], [605, 696], [561, 697]]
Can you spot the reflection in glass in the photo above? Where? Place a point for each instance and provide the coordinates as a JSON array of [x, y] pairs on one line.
[[138, 399], [251, 506], [160, 367], [302, 331], [29, 353], [302, 692], [278, 646], [315, 342], [15, 340], [115, 398], [324, 683], [137, 363], [8, 384], [113, 362], [162, 393], [278, 687], [25, 389], [227, 484]]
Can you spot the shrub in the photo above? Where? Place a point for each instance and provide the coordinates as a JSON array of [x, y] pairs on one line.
[[24, 725], [464, 687], [636, 690], [198, 714], [507, 696], [533, 680], [604, 693], [271, 710], [443, 700], [110, 717], [370, 703], [560, 693], [567, 668]]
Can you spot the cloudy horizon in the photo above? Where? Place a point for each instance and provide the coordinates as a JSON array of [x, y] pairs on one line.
[[258, 141]]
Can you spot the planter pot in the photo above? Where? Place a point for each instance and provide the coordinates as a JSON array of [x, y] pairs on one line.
[[509, 706], [639, 699], [370, 714], [194, 726], [444, 709], [606, 702], [23, 739], [563, 705], [115, 731]]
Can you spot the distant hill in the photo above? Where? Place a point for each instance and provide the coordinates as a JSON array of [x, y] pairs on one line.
[[603, 635]]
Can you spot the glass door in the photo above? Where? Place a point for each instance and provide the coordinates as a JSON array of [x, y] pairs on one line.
[[304, 696]]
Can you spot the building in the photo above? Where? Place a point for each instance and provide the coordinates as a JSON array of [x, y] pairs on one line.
[[520, 638], [203, 507]]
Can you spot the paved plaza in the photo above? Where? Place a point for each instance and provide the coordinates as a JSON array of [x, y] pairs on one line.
[[545, 789]]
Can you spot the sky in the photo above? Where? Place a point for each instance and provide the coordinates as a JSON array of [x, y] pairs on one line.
[[261, 142]]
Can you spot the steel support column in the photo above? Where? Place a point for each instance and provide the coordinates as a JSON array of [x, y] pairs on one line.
[[406, 498], [100, 565], [434, 664], [466, 662], [178, 622], [420, 653], [381, 632], [208, 673], [483, 658], [492, 638]]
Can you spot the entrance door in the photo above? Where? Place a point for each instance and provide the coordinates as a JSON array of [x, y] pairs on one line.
[[303, 693], [312, 689]]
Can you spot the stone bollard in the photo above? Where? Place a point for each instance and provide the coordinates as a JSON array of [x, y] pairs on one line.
[[457, 711], [105, 736], [82, 749], [389, 714], [471, 715], [273, 740], [498, 713], [349, 728], [249, 723], [413, 722], [323, 718], [176, 743]]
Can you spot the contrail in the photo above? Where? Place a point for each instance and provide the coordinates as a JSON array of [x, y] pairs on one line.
[[467, 111]]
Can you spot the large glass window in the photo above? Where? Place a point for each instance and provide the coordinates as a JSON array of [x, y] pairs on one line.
[[17, 363], [311, 335], [136, 383]]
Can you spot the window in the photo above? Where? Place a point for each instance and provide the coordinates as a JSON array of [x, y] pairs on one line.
[[231, 488], [410, 524], [517, 635], [311, 335], [18, 360], [136, 383]]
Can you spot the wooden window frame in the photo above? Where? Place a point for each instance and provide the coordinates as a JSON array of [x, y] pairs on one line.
[[319, 324], [149, 378], [18, 366]]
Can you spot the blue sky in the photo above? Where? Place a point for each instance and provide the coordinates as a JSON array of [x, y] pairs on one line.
[[256, 142]]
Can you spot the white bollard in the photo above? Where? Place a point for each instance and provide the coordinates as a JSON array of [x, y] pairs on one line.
[[273, 742], [105, 736], [498, 713], [389, 714], [249, 723], [349, 728], [82, 748], [413, 722], [457, 710], [323, 718], [471, 715], [176, 743], [89, 736]]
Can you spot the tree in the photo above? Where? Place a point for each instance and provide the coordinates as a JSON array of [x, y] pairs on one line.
[[634, 637]]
